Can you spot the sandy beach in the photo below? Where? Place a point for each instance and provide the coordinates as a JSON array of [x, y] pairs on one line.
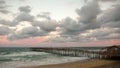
[[83, 64]]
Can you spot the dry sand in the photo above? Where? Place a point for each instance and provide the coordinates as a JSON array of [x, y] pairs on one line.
[[84, 64]]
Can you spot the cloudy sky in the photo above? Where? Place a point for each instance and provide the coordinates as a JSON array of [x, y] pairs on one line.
[[59, 22]]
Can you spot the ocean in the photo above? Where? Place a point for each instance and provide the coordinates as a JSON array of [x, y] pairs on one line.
[[13, 57]]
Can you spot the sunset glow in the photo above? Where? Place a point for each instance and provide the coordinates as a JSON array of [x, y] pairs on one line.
[[60, 22]]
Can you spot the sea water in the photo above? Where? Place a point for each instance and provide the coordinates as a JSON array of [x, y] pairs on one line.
[[14, 57]]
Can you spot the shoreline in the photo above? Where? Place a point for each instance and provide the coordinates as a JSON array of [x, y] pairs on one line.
[[88, 63], [33, 66]]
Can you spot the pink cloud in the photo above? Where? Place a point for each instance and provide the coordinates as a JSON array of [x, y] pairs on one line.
[[105, 42], [4, 40], [35, 40]]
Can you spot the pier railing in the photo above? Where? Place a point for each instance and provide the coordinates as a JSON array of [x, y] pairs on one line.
[[79, 53]]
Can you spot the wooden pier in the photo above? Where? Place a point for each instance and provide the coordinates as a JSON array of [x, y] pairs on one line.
[[105, 53]]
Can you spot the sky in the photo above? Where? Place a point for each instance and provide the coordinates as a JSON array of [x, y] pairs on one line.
[[42, 23]]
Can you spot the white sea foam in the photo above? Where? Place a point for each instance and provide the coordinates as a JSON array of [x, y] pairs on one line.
[[23, 54], [44, 61]]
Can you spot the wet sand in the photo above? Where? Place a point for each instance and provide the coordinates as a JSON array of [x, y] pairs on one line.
[[83, 64]]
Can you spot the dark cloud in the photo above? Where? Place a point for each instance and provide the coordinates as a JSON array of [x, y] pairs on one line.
[[8, 23], [112, 14], [47, 25], [87, 20], [104, 23], [2, 2], [111, 17], [99, 33], [21, 17], [110, 36], [105, 33], [111, 24], [4, 11], [24, 17], [70, 27], [26, 9], [89, 12], [38, 29], [24, 14], [3, 7], [90, 17], [27, 32], [4, 30]]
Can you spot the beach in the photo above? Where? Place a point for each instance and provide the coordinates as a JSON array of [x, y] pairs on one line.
[[25, 58], [83, 64]]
